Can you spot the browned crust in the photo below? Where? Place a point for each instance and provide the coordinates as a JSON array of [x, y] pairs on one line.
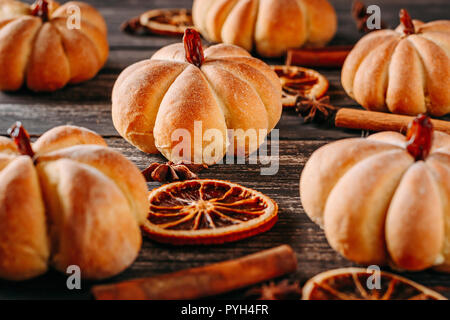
[[355, 211], [400, 81], [436, 66], [376, 76], [199, 9], [351, 192], [327, 166], [242, 18], [189, 101], [259, 82], [48, 67], [91, 223], [353, 61], [440, 168], [88, 13], [136, 98], [113, 165], [80, 51], [152, 99], [217, 14], [50, 55], [7, 146], [95, 200], [24, 249], [15, 47], [171, 52], [371, 79], [322, 22], [66, 136], [415, 224], [225, 50], [271, 26]]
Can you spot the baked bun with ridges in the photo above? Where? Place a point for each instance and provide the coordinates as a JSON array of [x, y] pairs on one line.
[[75, 202], [40, 48], [154, 101], [405, 71], [379, 202], [268, 26]]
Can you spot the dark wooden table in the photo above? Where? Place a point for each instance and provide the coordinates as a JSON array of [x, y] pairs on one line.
[[89, 105]]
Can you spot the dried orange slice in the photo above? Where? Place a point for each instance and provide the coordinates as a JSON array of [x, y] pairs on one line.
[[167, 21], [207, 212], [298, 81], [351, 284]]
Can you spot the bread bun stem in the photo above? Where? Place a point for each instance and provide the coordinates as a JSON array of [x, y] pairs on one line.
[[406, 21], [21, 138], [40, 9], [420, 137], [193, 47]]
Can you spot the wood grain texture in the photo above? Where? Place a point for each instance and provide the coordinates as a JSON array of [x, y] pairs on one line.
[[89, 105]]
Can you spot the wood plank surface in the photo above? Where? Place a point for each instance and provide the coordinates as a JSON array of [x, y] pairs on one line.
[[293, 228], [89, 105]]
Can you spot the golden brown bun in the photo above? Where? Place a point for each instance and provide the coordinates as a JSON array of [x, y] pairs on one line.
[[7, 146], [329, 164], [388, 71], [156, 99], [112, 165], [24, 247], [137, 90], [442, 175], [48, 55], [271, 26], [66, 136], [11, 8], [189, 99], [90, 221], [95, 200], [377, 205], [409, 243]]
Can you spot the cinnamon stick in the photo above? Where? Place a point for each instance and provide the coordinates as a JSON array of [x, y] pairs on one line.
[[331, 56], [204, 281], [379, 121]]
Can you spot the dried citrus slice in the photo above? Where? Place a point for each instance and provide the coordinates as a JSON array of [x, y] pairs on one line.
[[351, 284], [207, 212], [167, 21], [298, 81]]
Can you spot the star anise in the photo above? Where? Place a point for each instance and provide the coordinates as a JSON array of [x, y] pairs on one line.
[[168, 172], [281, 291], [360, 15], [315, 110]]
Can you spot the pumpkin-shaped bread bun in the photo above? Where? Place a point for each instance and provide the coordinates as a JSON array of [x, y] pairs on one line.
[[47, 46], [269, 26], [184, 100], [385, 198], [405, 71], [68, 200]]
